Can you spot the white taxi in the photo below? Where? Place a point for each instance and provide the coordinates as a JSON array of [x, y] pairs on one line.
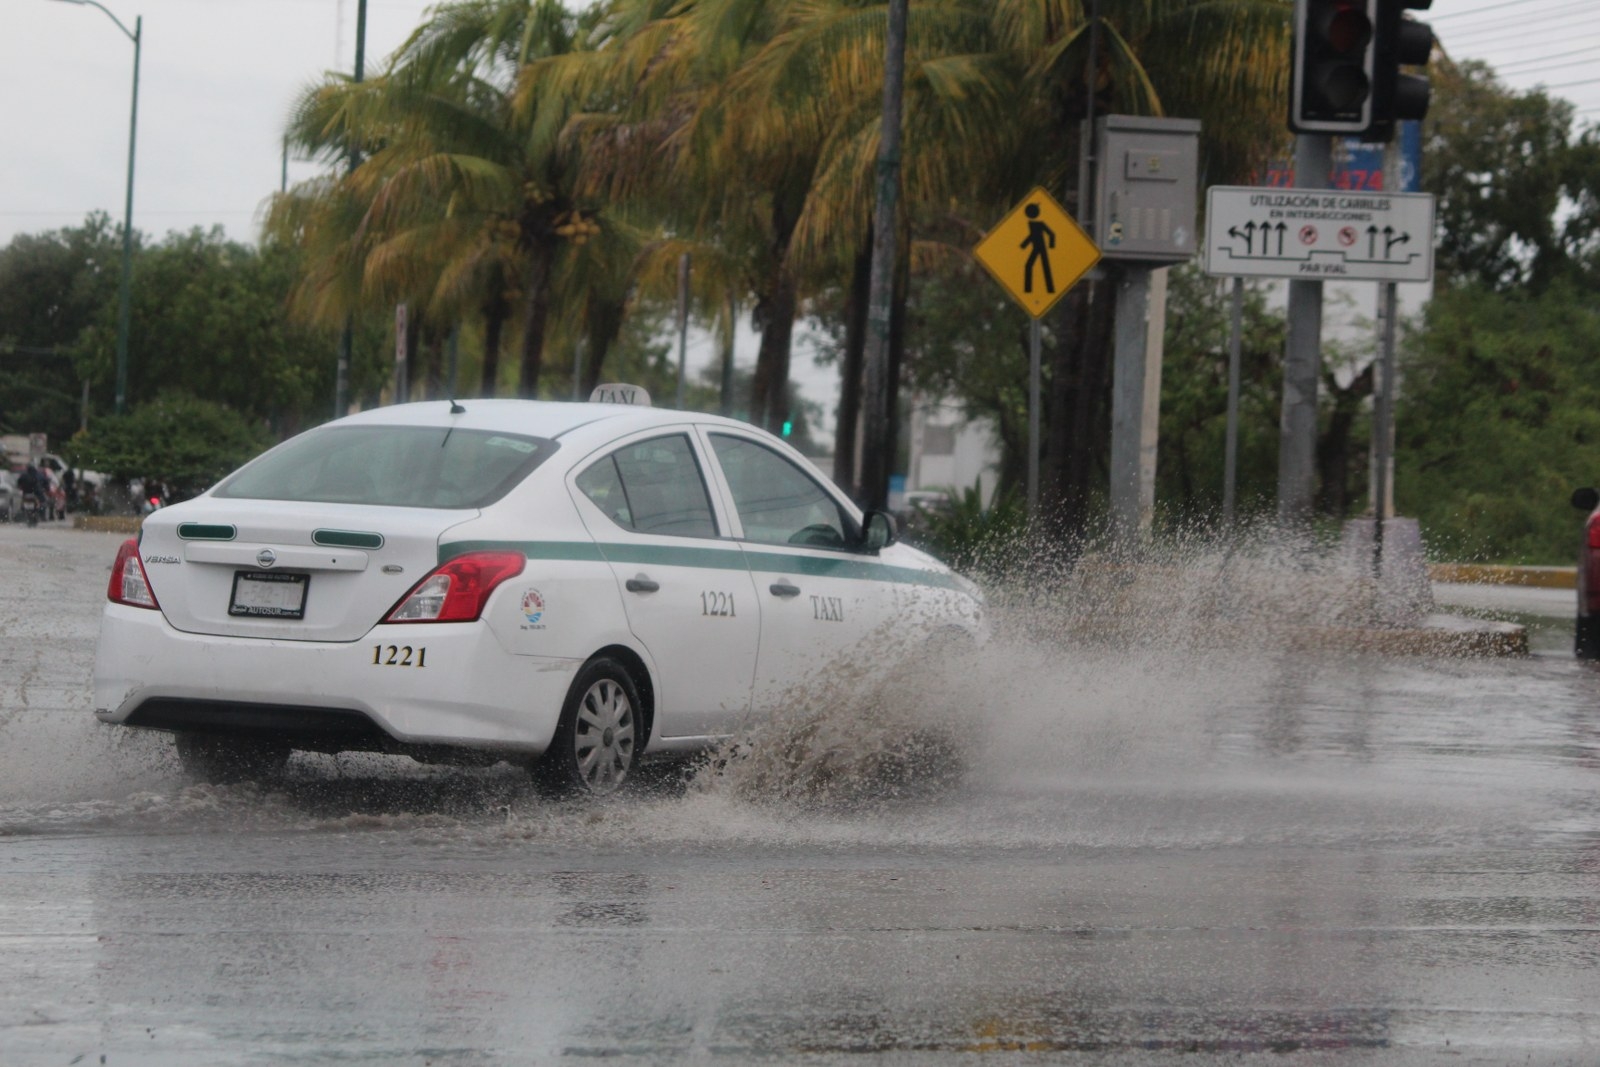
[[569, 585]]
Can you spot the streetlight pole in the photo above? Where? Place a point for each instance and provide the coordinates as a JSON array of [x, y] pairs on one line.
[[125, 289]]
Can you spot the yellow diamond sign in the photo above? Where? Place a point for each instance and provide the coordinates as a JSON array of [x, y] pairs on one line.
[[1037, 252]]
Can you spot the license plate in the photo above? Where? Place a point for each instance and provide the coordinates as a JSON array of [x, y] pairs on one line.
[[269, 594]]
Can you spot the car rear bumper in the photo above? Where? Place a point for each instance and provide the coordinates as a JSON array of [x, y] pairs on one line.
[[459, 688]]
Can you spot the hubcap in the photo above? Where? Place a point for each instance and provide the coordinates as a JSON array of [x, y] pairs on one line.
[[604, 735]]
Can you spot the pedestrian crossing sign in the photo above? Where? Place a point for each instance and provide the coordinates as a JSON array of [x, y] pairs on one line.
[[1037, 252]]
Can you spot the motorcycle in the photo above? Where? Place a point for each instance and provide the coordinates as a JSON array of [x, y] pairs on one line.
[[30, 508]]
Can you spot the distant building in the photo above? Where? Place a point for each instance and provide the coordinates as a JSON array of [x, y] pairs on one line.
[[950, 451]]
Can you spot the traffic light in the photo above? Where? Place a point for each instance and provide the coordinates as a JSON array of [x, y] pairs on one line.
[[788, 427], [1399, 41], [1332, 85]]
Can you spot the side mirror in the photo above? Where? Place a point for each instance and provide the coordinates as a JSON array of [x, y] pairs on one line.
[[1585, 499], [878, 530]]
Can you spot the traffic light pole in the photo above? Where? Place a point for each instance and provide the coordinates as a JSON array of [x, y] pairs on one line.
[[1302, 363]]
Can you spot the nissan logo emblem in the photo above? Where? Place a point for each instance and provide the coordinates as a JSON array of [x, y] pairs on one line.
[[266, 557]]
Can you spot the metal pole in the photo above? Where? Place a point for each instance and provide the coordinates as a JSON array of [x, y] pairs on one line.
[[727, 355], [402, 367], [877, 455], [1386, 379], [361, 41], [1033, 418], [1129, 380], [577, 368], [341, 380], [1302, 364], [1385, 427], [125, 287], [1230, 462], [341, 383], [683, 322], [455, 357]]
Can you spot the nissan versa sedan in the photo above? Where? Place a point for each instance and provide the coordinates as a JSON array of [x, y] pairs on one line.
[[566, 585]]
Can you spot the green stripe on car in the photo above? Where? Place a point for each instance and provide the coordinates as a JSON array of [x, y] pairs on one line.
[[731, 559]]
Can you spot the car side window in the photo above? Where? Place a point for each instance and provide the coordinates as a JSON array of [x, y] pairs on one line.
[[602, 484], [653, 486], [778, 503]]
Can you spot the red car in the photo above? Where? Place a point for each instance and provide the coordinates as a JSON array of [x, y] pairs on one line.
[[1586, 634]]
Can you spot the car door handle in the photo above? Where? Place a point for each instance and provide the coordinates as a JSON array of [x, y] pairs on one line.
[[784, 589], [641, 585]]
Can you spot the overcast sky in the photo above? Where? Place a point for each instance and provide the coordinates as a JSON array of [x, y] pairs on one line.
[[217, 78]]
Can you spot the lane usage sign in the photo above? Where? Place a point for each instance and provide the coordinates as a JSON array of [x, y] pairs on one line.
[[1319, 234]]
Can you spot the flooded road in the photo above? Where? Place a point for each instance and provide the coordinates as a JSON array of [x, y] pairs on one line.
[[1156, 850]]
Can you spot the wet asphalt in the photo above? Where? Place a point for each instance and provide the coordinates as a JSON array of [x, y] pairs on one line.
[[1142, 852]]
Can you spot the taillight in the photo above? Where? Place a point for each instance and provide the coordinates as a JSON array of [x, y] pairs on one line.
[[457, 591], [1591, 568], [129, 585]]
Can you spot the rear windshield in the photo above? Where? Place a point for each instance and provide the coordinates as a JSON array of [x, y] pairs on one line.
[[398, 466]]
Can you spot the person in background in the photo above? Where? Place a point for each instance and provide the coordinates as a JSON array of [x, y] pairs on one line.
[[31, 483], [49, 489]]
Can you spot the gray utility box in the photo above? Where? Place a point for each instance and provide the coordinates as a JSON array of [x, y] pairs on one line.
[[1146, 189]]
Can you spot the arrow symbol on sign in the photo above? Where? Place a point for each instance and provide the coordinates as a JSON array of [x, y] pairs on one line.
[[1372, 242], [1389, 242], [1248, 236], [1281, 227]]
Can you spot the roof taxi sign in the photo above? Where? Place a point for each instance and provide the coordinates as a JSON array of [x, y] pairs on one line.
[[1037, 252], [616, 393]]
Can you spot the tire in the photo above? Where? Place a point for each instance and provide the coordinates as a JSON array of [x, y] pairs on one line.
[[1586, 637], [219, 760], [596, 744]]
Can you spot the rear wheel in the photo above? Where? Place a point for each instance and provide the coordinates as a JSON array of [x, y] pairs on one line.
[[227, 760], [596, 744]]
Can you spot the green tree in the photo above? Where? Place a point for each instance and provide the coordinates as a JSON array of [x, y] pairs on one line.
[[209, 318], [465, 192], [1502, 164], [51, 287], [177, 439], [1499, 421], [1194, 397]]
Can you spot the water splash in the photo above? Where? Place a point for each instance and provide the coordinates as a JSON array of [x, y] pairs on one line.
[[1108, 682]]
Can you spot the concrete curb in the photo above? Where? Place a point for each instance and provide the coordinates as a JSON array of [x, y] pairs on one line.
[[1493, 574], [1437, 635], [128, 524]]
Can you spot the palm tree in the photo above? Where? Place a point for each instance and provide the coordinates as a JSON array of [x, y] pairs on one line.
[[465, 195]]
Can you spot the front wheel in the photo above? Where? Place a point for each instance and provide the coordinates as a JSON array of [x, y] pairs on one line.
[[228, 760], [596, 744]]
